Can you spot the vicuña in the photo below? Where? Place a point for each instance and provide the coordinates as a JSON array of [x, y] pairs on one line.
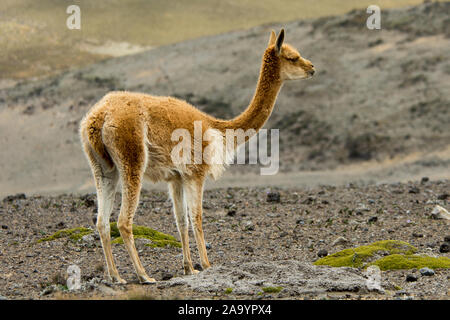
[[127, 135]]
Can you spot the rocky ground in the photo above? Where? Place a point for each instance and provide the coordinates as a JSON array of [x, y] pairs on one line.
[[261, 246], [377, 95]]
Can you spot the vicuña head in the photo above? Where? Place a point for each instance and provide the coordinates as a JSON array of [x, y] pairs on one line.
[[292, 65], [130, 136]]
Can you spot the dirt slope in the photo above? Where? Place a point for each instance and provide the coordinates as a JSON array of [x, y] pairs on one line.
[[378, 96]]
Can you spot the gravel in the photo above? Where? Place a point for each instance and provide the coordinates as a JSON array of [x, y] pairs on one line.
[[289, 238]]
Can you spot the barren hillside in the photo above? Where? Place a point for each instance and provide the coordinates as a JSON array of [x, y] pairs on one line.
[[380, 99]]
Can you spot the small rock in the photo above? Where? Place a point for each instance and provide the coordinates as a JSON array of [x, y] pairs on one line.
[[427, 272], [417, 235], [4, 227], [440, 213], [206, 206], [339, 241], [375, 43], [371, 201], [414, 190], [400, 293], [208, 245], [60, 225], [447, 238], [88, 200], [88, 238], [362, 208], [373, 219], [48, 290], [411, 278], [166, 276], [443, 196], [231, 213], [444, 248], [424, 180], [273, 196], [249, 226], [198, 267], [309, 200], [322, 253], [29, 110]]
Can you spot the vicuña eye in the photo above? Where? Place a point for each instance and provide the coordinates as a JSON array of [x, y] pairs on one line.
[[294, 59]]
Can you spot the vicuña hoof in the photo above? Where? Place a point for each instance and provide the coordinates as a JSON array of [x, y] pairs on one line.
[[188, 272], [117, 279], [146, 280]]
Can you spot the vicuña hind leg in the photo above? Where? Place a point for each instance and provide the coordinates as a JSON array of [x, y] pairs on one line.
[[181, 216], [194, 194], [106, 183], [130, 200], [129, 155]]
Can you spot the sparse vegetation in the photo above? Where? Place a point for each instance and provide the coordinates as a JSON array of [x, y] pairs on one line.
[[74, 234], [386, 254], [399, 261], [272, 289], [158, 239]]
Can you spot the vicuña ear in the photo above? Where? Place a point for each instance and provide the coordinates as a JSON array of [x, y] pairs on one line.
[[279, 42], [272, 39]]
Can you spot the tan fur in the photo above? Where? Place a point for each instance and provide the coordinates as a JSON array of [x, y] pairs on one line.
[[127, 135]]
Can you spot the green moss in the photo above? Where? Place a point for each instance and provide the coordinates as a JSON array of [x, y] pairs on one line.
[[272, 289], [74, 234], [359, 257], [158, 239], [397, 287], [399, 261], [386, 254], [228, 290]]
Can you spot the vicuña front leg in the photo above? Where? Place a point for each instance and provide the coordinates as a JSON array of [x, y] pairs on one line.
[[194, 194], [181, 216]]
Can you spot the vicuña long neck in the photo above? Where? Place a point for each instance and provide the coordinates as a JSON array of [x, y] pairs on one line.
[[261, 106]]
